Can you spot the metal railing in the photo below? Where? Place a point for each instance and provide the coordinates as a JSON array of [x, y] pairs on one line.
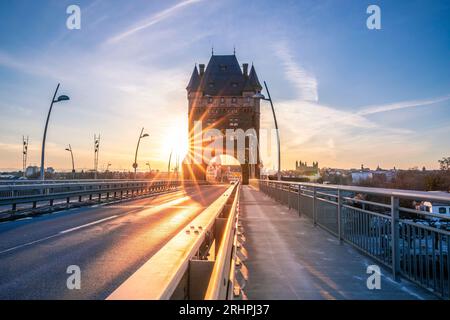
[[222, 283], [30, 181], [386, 224], [198, 263], [45, 194]]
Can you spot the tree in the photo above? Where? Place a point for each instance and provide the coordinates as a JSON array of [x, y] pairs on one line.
[[445, 163]]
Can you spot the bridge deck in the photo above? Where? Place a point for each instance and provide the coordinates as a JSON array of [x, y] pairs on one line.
[[289, 258]]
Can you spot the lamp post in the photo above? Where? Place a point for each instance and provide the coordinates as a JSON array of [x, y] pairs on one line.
[[96, 152], [135, 165], [59, 99], [24, 155], [168, 166], [107, 167], [178, 164], [73, 162], [149, 168], [262, 97]]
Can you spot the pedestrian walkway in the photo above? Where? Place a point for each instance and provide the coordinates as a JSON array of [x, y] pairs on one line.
[[289, 258]]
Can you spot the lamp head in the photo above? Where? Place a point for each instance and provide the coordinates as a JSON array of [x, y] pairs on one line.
[[144, 135], [62, 98], [259, 95]]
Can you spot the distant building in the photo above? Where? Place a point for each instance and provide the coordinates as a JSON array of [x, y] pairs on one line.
[[50, 170], [302, 168], [32, 171], [359, 176], [387, 174], [303, 171]]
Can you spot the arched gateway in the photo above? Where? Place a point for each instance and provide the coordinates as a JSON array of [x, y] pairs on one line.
[[224, 116]]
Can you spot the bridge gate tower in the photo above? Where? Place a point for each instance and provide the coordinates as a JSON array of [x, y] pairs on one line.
[[222, 97]]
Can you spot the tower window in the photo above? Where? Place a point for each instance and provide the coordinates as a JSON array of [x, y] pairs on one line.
[[222, 100], [210, 99], [223, 67], [233, 100], [234, 84], [211, 84]]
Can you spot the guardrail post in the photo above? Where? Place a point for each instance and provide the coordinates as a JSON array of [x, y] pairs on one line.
[[339, 215], [395, 240], [271, 189], [289, 197], [298, 201], [314, 205]]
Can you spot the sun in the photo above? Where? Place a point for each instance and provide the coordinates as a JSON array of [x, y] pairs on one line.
[[175, 139]]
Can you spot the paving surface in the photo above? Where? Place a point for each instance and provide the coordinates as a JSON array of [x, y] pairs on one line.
[[107, 242], [289, 258]]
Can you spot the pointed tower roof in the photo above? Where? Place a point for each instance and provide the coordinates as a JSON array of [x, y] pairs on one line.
[[195, 81], [252, 83], [223, 76]]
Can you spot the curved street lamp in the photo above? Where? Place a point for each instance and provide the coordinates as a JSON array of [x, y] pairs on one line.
[[168, 166], [135, 165], [59, 99], [73, 163], [149, 168], [262, 97]]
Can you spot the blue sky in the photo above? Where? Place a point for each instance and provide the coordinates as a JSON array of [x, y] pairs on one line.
[[344, 94]]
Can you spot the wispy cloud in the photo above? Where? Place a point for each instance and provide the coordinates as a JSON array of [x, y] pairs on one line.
[[317, 131], [401, 105], [304, 81], [154, 19]]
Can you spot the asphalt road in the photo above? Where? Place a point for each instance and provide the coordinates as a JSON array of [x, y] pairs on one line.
[[107, 242]]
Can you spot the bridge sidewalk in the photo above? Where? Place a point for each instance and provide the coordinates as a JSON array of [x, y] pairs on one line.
[[289, 258]]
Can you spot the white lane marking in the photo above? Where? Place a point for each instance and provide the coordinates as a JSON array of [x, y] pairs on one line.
[[88, 224], [21, 219], [28, 243], [55, 235]]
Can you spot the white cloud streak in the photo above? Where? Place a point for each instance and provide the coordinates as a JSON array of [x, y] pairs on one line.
[[401, 105], [154, 19], [304, 82]]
